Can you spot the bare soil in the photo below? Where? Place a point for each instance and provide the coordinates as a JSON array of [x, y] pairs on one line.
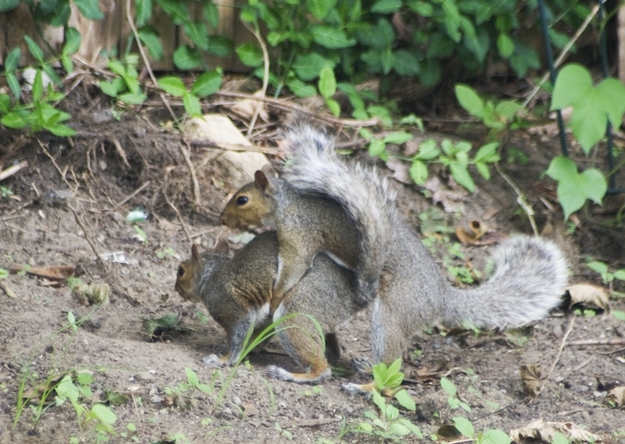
[[71, 203]]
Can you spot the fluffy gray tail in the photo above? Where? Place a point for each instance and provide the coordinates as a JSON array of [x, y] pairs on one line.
[[529, 280], [313, 166]]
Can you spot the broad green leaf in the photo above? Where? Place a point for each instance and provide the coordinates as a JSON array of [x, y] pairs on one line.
[[487, 153], [387, 60], [60, 130], [300, 89], [89, 9], [495, 437], [133, 98], [398, 429], [386, 6], [405, 63], [192, 377], [620, 274], [5, 103], [482, 168], [461, 175], [117, 67], [430, 73], [376, 147], [192, 105], [320, 8], [599, 267], [561, 169], [413, 428], [618, 314], [149, 37], [594, 183], [405, 400], [7, 5], [207, 84], [470, 100], [72, 41], [507, 109], [588, 121], [104, 414], [211, 14], [422, 8], [112, 88], [572, 85], [327, 82], [398, 138], [34, 49], [186, 57], [464, 426], [611, 95], [12, 60], [428, 150], [440, 46], [176, 10], [478, 45], [559, 438], [197, 33], [418, 172], [220, 46], [172, 85], [381, 113], [143, 12], [250, 55], [333, 106], [505, 45], [307, 67], [13, 120], [330, 37]]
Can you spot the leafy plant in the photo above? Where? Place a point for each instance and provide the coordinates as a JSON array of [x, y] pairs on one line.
[[206, 84], [453, 401], [125, 87], [491, 436], [389, 379]]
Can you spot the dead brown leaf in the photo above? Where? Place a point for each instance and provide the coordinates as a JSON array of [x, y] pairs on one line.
[[450, 196], [588, 296], [530, 375], [249, 409], [400, 169], [59, 273], [617, 396], [545, 431]]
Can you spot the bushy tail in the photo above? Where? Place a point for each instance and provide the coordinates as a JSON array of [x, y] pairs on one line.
[[529, 280], [313, 166]]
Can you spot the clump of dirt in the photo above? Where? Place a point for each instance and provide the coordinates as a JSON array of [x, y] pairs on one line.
[[69, 207]]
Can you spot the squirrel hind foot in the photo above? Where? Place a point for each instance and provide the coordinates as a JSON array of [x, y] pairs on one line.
[[358, 389], [213, 361], [276, 372], [362, 366]]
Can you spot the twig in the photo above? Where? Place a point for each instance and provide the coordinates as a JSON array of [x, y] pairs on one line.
[[7, 290], [12, 170], [611, 341], [309, 422], [56, 165], [173, 207], [563, 53], [144, 56], [555, 361], [288, 106], [194, 181], [259, 106], [120, 150], [231, 146], [88, 237], [130, 196], [521, 200]]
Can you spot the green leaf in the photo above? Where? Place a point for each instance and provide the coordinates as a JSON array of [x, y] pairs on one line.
[[72, 41], [186, 57], [197, 33], [117, 67], [4, 273], [51, 73], [149, 37], [440, 46], [398, 429], [505, 45], [307, 67], [211, 14], [220, 46], [448, 387], [398, 138], [482, 168], [418, 172], [327, 82], [192, 377], [487, 153], [7, 5], [250, 55], [112, 88], [207, 84], [320, 8], [559, 438], [68, 64], [376, 147], [428, 150], [300, 89], [464, 426], [34, 49], [599, 267], [470, 100], [334, 106], [461, 175], [104, 414], [386, 6], [405, 400], [172, 85], [176, 10], [37, 87], [330, 37], [12, 60], [89, 9], [192, 105], [620, 274], [611, 99], [495, 437], [133, 98], [405, 63], [618, 314], [60, 130], [572, 85], [507, 109], [143, 13], [5, 103], [13, 120]]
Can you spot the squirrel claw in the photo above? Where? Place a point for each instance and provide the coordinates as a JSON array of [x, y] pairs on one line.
[[362, 365], [276, 372], [213, 361]]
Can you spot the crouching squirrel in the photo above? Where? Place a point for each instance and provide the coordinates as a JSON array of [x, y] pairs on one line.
[[530, 272], [237, 293]]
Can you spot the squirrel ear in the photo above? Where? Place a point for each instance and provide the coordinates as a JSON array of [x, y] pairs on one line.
[[268, 170], [261, 180], [221, 246], [195, 254]]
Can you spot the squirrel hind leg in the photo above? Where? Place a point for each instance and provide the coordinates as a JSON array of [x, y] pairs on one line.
[[315, 375], [358, 389]]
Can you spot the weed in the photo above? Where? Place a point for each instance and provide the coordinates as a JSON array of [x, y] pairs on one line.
[[453, 401]]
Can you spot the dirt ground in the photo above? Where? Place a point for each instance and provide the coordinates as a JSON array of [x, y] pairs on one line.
[[71, 202]]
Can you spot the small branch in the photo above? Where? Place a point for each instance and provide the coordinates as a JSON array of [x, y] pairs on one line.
[[231, 146], [611, 341], [7, 290], [562, 344], [259, 106], [194, 181], [130, 196], [12, 170], [521, 200], [173, 207], [88, 237], [144, 56]]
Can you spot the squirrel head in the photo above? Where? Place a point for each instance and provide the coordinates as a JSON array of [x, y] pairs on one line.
[[249, 206], [188, 276]]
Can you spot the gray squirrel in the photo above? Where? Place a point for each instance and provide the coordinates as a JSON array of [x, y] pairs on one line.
[[410, 292]]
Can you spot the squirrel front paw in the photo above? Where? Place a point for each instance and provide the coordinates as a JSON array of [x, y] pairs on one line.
[[362, 365], [213, 361], [357, 389], [273, 371]]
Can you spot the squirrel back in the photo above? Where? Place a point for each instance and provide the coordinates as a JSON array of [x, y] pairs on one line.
[[237, 293]]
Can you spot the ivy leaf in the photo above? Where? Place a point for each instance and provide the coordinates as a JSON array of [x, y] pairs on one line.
[[330, 37], [89, 9], [611, 94], [470, 100], [207, 84], [572, 85]]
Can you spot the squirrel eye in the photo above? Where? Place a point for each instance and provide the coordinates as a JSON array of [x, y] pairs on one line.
[[242, 200], [180, 271]]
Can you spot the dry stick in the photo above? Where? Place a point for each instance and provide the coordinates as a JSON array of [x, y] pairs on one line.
[[184, 227], [12, 170], [7, 290], [562, 344], [88, 238], [288, 106], [145, 59], [611, 341], [120, 150], [130, 196], [231, 146], [194, 181], [259, 106], [521, 200], [563, 53], [58, 168]]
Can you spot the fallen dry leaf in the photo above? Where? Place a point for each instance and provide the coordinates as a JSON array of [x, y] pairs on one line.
[[450, 196], [588, 296], [545, 431], [530, 375], [617, 396], [58, 273], [249, 409], [400, 169]]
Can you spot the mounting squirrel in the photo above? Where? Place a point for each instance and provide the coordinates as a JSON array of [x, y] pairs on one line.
[[529, 278], [237, 293]]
